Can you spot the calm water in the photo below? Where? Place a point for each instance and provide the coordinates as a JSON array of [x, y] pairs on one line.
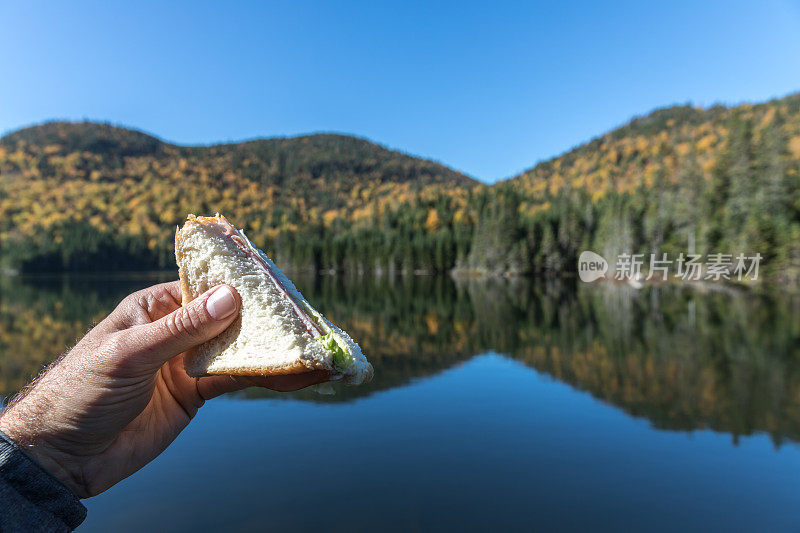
[[518, 405]]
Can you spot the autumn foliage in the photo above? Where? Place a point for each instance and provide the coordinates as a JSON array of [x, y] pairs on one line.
[[727, 180]]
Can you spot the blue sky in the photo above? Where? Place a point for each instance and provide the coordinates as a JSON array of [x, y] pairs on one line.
[[488, 88]]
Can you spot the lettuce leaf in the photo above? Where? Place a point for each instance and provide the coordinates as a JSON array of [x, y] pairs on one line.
[[341, 357]]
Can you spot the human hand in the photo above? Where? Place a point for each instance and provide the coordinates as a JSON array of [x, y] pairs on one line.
[[117, 399]]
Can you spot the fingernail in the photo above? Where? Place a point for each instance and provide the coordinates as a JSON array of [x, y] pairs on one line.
[[221, 304]]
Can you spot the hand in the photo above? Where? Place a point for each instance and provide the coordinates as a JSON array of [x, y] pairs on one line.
[[121, 396]]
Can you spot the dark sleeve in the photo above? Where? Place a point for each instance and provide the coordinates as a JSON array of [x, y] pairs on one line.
[[31, 499]]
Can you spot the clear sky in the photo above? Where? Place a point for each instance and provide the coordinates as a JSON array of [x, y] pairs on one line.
[[489, 88]]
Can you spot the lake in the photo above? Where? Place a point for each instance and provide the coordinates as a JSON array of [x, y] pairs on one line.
[[496, 404]]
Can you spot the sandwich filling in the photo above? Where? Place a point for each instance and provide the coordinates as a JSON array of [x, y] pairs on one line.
[[314, 323]]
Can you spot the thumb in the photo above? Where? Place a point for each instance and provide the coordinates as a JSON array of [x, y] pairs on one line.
[[200, 320]]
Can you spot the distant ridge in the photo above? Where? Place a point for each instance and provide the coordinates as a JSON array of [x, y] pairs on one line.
[[661, 120], [311, 149]]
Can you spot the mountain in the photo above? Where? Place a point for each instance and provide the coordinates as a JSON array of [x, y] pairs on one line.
[[116, 193], [292, 161], [719, 180]]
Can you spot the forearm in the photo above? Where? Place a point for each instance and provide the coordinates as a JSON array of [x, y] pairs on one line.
[[13, 425], [31, 421]]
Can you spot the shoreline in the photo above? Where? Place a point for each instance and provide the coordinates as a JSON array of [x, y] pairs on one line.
[[761, 285]]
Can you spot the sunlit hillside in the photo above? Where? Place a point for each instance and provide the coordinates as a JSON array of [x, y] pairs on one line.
[[89, 195], [721, 180]]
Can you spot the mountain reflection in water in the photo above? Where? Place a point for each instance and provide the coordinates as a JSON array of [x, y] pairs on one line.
[[683, 359]]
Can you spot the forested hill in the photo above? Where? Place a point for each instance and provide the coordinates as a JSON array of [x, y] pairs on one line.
[[72, 188], [324, 159], [717, 180], [721, 180]]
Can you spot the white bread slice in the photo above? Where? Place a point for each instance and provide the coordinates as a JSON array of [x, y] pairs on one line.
[[277, 331]]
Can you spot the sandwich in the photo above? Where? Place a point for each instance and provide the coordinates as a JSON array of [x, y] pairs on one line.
[[277, 331]]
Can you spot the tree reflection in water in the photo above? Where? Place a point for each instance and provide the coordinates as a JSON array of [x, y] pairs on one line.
[[682, 358]]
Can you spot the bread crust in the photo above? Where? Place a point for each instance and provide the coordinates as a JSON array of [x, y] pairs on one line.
[[297, 367]]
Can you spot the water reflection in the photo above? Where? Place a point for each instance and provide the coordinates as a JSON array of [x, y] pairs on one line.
[[681, 358]]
